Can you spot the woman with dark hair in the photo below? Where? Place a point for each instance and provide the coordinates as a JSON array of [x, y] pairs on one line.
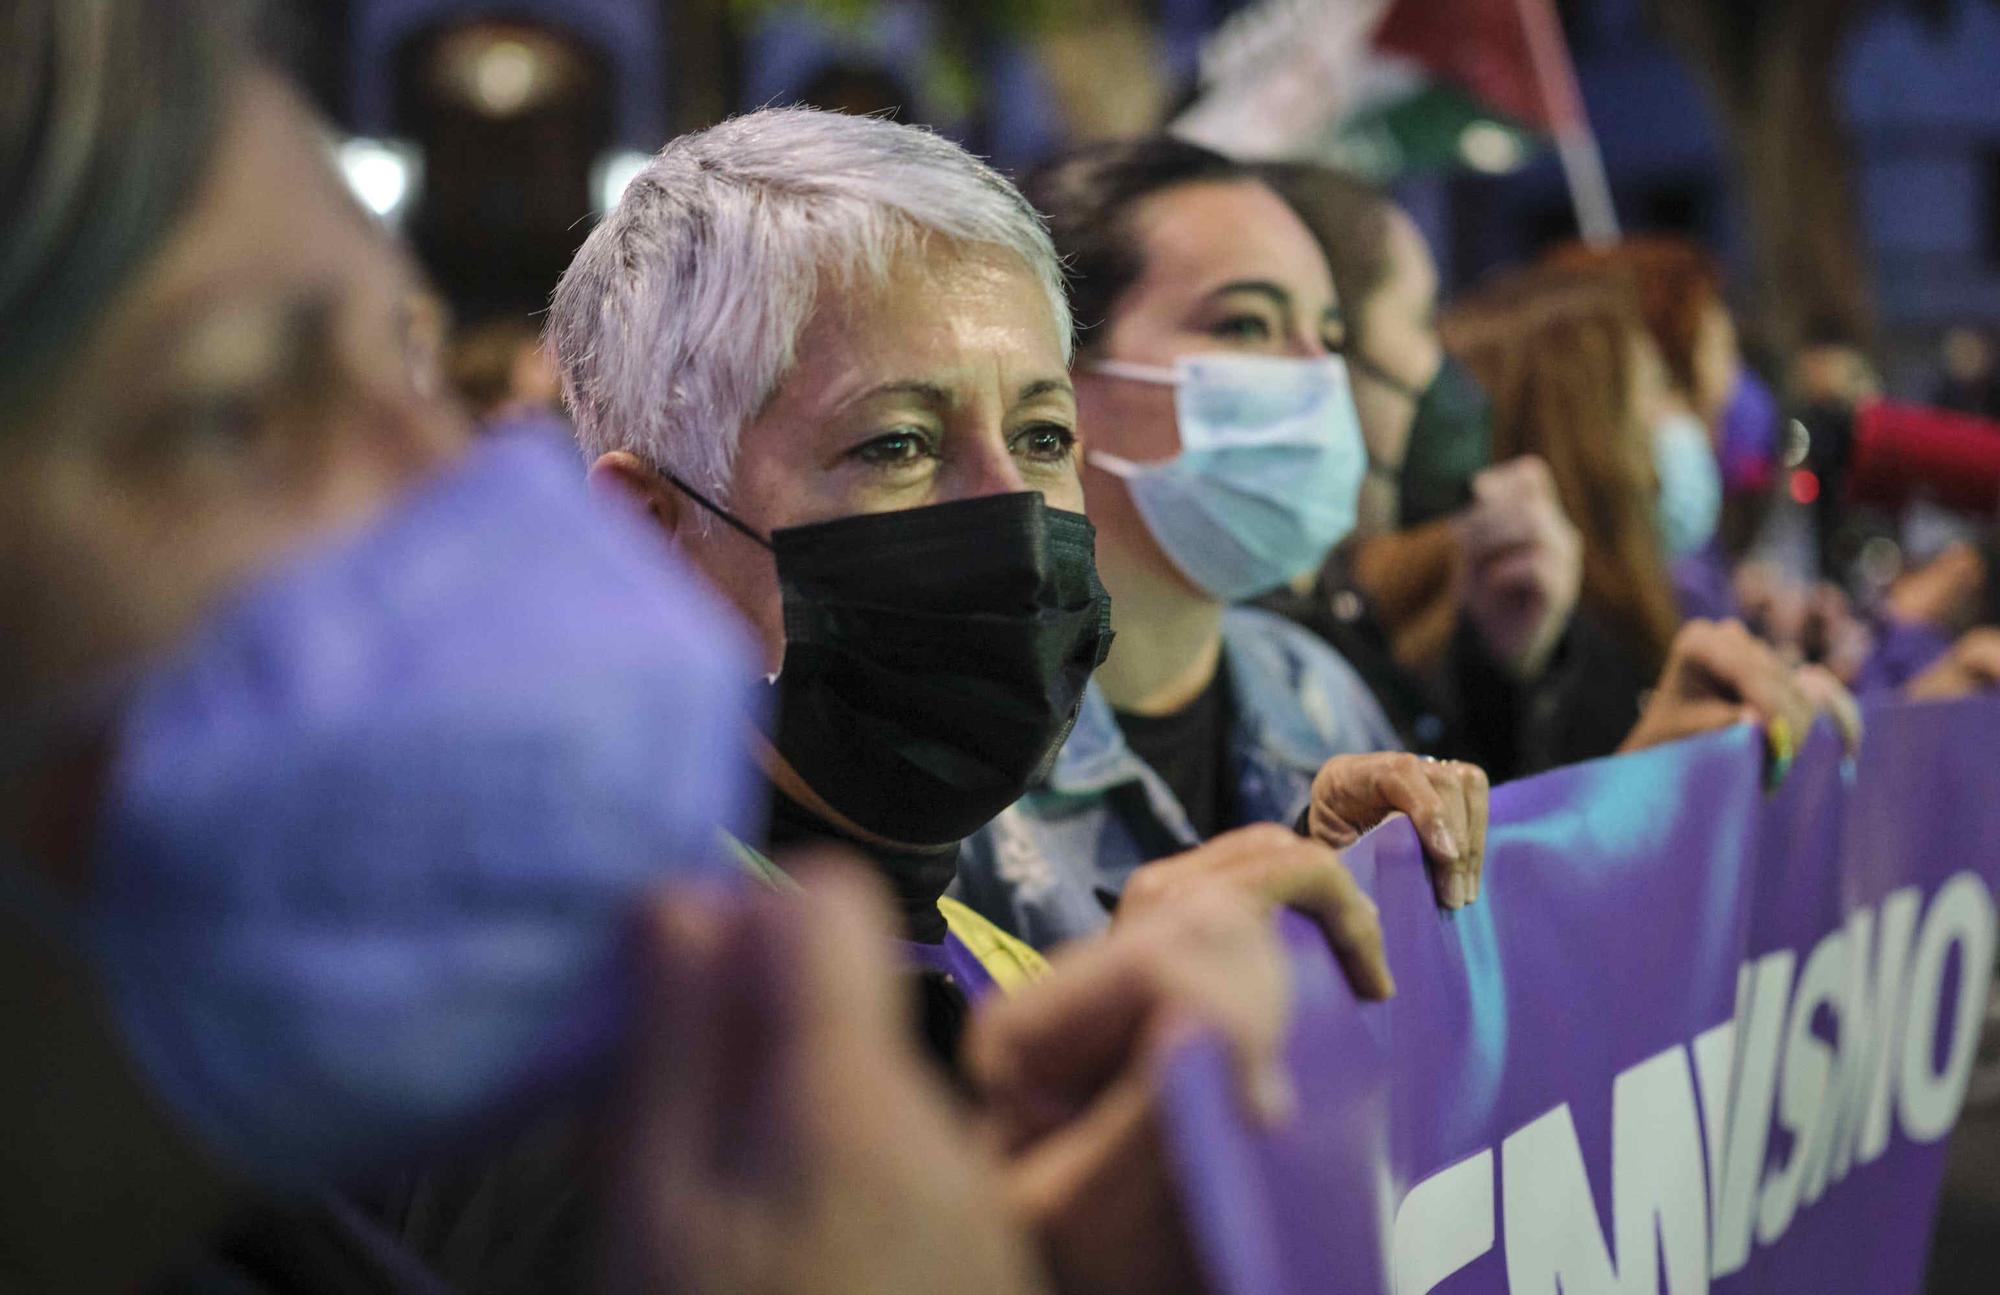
[[1456, 597], [1222, 459]]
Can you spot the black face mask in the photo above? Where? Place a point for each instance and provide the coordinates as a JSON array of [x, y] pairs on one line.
[[935, 658], [1451, 441]]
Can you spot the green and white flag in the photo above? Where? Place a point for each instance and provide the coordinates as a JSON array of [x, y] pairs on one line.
[[1381, 86], [1387, 87]]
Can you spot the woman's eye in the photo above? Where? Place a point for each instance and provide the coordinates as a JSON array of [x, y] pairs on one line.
[[895, 449], [1047, 442], [1242, 328], [226, 422]]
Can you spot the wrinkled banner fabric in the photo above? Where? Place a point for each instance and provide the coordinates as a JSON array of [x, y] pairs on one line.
[[1694, 1036]]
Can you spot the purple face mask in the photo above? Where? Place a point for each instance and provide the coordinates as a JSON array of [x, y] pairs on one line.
[[370, 843]]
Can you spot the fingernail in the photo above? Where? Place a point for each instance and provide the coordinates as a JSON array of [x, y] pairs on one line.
[[1454, 891], [1780, 735]]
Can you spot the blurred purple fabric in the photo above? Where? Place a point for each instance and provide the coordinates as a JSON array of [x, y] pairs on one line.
[[372, 841]]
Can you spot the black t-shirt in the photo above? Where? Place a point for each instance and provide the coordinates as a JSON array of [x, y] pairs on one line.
[[1189, 749]]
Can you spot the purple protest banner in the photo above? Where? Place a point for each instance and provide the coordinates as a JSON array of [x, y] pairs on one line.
[[1692, 1037]]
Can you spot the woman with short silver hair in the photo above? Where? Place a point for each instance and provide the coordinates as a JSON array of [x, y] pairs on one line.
[[829, 357], [793, 324]]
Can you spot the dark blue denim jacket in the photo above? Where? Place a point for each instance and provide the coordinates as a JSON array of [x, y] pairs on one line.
[[1038, 868]]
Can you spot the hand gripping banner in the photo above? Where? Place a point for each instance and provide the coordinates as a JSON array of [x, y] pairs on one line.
[[1695, 1036]]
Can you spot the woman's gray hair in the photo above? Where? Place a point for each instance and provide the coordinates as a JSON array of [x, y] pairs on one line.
[[682, 312], [108, 110]]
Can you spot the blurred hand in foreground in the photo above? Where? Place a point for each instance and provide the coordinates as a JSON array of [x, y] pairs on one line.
[[1271, 866], [1068, 1075], [781, 1134]]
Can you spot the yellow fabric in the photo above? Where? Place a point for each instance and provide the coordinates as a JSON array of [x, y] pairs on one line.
[[1012, 964], [753, 861]]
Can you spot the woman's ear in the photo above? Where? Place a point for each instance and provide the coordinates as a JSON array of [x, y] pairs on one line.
[[624, 477]]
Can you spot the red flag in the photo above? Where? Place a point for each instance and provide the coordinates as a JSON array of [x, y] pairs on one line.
[[1489, 49]]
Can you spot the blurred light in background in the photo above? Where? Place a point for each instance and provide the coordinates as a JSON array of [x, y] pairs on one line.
[[613, 171], [1798, 444], [1805, 485], [504, 78], [504, 69], [383, 173], [1490, 147], [1881, 561]]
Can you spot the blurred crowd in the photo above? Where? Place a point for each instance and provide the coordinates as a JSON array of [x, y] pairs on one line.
[[740, 789]]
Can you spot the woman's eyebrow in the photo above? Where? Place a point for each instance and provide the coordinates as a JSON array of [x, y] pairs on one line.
[[929, 393], [1259, 287], [1045, 387]]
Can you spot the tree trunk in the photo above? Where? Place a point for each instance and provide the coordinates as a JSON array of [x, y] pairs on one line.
[[1770, 69]]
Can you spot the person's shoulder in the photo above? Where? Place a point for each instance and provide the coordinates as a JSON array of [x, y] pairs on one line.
[[1254, 634], [1293, 674]]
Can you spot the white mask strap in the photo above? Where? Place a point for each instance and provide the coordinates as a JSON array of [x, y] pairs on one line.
[[1158, 374], [1116, 466]]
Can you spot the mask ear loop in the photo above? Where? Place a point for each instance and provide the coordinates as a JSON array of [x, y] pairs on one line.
[[1159, 375], [1358, 359], [728, 517]]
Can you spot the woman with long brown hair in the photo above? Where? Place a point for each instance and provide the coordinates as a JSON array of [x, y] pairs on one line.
[[1576, 379]]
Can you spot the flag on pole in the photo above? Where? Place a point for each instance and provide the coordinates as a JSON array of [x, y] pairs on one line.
[[1387, 87], [1452, 84]]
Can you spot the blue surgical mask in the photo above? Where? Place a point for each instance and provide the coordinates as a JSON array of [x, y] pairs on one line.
[[1690, 502], [371, 843], [1266, 480]]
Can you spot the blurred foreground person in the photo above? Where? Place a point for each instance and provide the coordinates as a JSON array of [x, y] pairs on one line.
[[1457, 598], [252, 601], [827, 356], [333, 760], [338, 767]]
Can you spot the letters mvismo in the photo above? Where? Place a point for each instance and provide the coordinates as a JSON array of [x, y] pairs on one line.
[[1691, 1193]]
